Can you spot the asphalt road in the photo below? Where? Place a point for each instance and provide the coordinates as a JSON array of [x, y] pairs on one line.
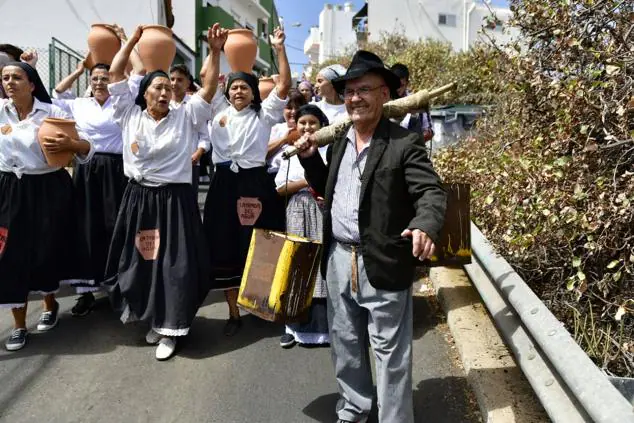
[[95, 369]]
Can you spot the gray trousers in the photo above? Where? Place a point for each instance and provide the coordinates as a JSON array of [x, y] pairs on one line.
[[384, 318]]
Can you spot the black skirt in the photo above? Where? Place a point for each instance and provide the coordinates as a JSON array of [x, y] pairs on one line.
[[36, 234], [228, 233], [157, 268], [99, 187]]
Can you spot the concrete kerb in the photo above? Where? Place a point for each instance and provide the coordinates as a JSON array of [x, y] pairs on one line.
[[503, 393]]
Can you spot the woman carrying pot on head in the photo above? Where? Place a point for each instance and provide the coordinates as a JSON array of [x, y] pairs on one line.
[[36, 199], [331, 102], [99, 184], [241, 194], [157, 267], [304, 218]]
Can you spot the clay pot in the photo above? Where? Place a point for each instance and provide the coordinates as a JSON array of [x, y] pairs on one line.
[[49, 128], [103, 43], [265, 86], [89, 62], [241, 49], [157, 48]]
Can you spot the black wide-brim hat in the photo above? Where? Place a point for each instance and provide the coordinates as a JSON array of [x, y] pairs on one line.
[[364, 62]]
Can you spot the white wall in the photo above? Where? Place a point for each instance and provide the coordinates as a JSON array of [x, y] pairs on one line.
[[185, 21], [70, 20], [419, 19], [335, 31]]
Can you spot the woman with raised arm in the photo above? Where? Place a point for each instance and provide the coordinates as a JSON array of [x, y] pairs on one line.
[[241, 194], [36, 199], [99, 184], [157, 269]]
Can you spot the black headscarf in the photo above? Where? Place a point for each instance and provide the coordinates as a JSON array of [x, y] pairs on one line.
[[145, 83], [40, 91], [311, 109], [252, 81]]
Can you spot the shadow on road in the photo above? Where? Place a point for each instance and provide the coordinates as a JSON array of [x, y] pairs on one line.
[[98, 333], [207, 339], [446, 400]]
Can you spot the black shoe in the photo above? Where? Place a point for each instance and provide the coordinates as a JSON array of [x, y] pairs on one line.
[[17, 340], [344, 421], [84, 305], [48, 319], [287, 341], [232, 326]]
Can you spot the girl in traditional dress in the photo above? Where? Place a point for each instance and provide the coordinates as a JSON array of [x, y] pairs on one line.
[[304, 218], [157, 267], [99, 184], [331, 102], [241, 194], [36, 200]]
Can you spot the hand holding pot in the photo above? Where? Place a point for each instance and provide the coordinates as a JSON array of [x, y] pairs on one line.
[[137, 34], [120, 32], [278, 38], [59, 144], [216, 37]]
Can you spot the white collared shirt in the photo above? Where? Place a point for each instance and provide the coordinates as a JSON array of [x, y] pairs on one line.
[[334, 112], [218, 103], [20, 150], [157, 153], [95, 120], [242, 137]]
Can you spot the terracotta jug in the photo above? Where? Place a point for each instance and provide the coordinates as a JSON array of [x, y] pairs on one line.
[[49, 128], [241, 49], [265, 86], [157, 48], [103, 43], [89, 62]]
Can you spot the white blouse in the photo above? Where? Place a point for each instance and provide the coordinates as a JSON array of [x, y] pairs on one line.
[[242, 137], [333, 112], [96, 120], [20, 151], [157, 153], [278, 131], [218, 103], [295, 172]]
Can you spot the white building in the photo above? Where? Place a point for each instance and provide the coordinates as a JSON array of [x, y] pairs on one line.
[[333, 36], [455, 21]]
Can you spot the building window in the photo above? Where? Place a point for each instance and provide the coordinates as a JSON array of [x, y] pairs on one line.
[[263, 32], [447, 20]]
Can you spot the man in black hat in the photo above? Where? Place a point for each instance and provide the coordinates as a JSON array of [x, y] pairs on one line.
[[384, 209]]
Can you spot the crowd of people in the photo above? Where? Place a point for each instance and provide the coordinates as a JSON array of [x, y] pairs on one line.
[[127, 222]]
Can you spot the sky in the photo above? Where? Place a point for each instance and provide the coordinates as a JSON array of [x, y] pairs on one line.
[[306, 13]]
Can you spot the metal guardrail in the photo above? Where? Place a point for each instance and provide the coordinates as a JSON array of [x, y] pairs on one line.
[[568, 384], [63, 60]]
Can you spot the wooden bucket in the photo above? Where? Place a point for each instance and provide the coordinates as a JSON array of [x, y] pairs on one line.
[[454, 246], [279, 276]]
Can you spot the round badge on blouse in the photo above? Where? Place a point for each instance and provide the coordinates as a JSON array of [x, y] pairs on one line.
[[6, 129], [135, 148], [223, 121]]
